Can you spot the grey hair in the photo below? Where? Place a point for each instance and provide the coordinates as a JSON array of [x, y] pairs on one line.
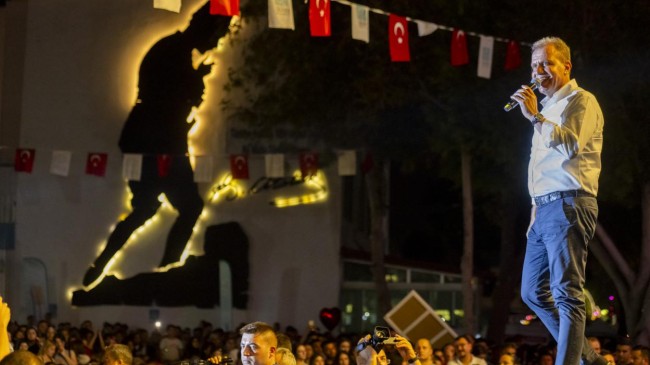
[[560, 46]]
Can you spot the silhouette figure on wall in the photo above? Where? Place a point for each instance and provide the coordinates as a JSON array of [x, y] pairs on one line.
[[196, 283], [168, 88]]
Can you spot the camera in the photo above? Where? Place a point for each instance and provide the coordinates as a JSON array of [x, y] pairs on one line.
[[380, 337]]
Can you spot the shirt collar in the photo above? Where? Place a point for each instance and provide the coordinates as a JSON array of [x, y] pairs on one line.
[[564, 91]]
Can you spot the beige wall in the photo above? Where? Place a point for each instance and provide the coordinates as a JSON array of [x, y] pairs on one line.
[[80, 75]]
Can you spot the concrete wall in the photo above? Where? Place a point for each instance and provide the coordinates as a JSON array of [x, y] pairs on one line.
[[78, 86]]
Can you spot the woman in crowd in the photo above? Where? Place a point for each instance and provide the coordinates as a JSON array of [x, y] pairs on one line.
[[47, 352], [301, 355], [317, 359], [64, 356]]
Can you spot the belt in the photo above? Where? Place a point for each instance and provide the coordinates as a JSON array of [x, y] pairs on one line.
[[550, 197]]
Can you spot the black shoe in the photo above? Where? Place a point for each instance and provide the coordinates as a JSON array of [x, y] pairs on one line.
[[92, 274]]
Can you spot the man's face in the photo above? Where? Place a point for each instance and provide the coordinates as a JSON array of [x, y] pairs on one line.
[[623, 354], [381, 358], [595, 344], [637, 358], [463, 348], [345, 346], [330, 350], [547, 66], [423, 349], [256, 349]]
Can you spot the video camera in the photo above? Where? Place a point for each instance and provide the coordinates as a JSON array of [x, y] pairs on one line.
[[380, 337], [225, 360]]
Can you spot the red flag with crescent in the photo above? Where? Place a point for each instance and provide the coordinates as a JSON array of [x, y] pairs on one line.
[[319, 18], [239, 166], [459, 55], [398, 39], [164, 162], [308, 164], [513, 56], [224, 7], [96, 164], [24, 160]]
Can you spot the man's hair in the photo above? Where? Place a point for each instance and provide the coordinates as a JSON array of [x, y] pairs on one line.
[[119, 353], [21, 357], [285, 357], [284, 341], [560, 46], [645, 351], [260, 328]]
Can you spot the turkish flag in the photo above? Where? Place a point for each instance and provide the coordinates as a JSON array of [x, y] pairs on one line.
[[239, 166], [319, 18], [96, 164], [224, 7], [308, 164], [164, 162], [398, 38], [24, 160], [459, 54], [513, 56]]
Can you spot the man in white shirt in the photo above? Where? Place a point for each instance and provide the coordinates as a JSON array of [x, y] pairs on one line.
[[464, 345], [563, 183]]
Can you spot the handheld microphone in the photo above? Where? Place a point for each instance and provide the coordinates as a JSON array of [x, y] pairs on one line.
[[534, 84]]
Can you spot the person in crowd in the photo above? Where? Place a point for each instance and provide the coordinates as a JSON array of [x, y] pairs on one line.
[[301, 355], [47, 352], [624, 351], [5, 339], [171, 347], [510, 348], [284, 341], [546, 359], [563, 177], [449, 352], [611, 360], [506, 359], [481, 349], [41, 328], [640, 355], [117, 354], [193, 350], [317, 359], [284, 356], [594, 342], [330, 350], [368, 355], [63, 356], [21, 358], [343, 358], [464, 345], [345, 345], [309, 349], [50, 332], [425, 351], [32, 341], [258, 344]]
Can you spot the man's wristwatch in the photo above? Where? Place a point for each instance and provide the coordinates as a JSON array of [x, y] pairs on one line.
[[537, 118], [411, 361]]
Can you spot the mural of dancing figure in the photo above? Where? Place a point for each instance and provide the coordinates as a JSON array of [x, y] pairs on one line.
[[169, 87]]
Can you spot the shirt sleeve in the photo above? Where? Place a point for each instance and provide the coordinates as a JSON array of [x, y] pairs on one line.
[[578, 123]]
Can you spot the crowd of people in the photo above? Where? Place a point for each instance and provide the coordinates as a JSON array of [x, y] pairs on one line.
[[67, 344]]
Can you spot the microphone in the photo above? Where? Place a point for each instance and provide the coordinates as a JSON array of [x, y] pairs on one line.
[[534, 84]]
